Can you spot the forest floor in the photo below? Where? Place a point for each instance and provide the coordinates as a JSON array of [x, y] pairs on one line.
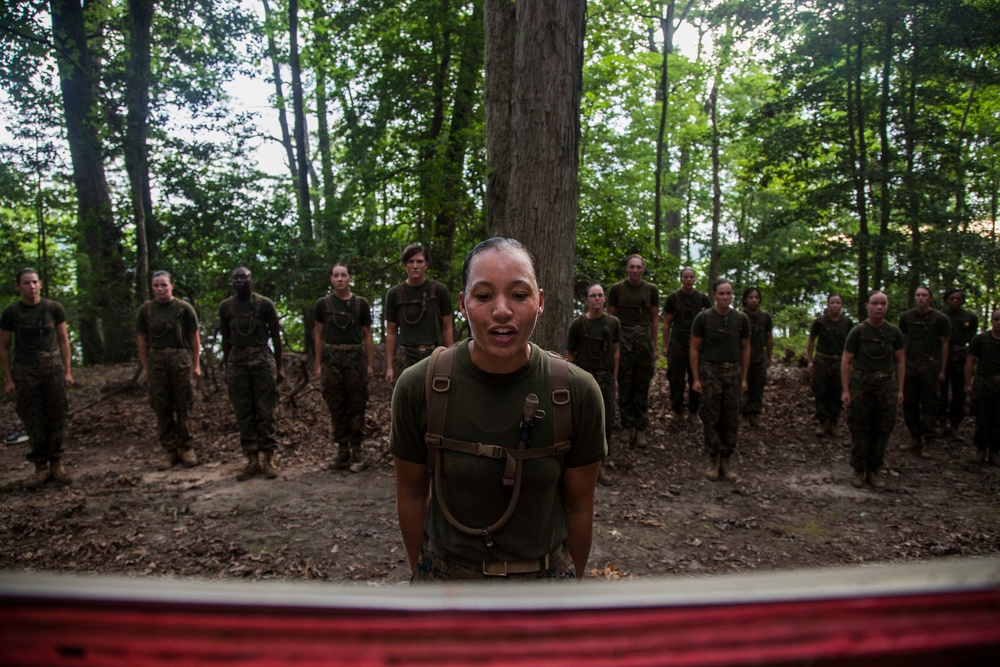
[[793, 506]]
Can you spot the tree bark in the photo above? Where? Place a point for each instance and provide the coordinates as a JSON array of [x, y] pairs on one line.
[[136, 149], [105, 313], [542, 198], [499, 22], [299, 114]]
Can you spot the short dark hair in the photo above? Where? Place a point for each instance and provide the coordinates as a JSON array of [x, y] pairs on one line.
[[161, 272], [496, 243], [27, 269], [715, 285], [953, 290], [748, 291], [411, 250]]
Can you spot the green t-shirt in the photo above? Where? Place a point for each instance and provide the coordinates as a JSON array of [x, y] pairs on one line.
[[761, 325], [418, 316], [874, 349], [33, 327], [248, 320], [486, 407], [342, 325], [831, 334], [721, 335], [963, 329], [683, 308], [923, 333], [986, 349], [593, 342], [632, 303], [166, 324]]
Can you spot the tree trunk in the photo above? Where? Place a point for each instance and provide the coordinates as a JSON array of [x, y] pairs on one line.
[[136, 150], [714, 252], [673, 218], [105, 313], [858, 166], [499, 23], [279, 93], [299, 113], [541, 204], [326, 223]]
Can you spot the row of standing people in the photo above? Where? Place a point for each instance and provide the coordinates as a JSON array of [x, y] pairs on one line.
[[717, 356]]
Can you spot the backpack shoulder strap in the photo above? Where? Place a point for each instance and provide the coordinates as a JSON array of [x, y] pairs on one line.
[[436, 387], [562, 411], [648, 299]]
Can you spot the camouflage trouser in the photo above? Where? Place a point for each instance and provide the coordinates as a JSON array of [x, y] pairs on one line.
[[920, 396], [952, 407], [345, 390], [407, 355], [41, 403], [871, 418], [606, 381], [753, 402], [986, 408], [679, 375], [721, 388], [635, 372], [827, 387], [253, 391], [169, 373], [433, 566]]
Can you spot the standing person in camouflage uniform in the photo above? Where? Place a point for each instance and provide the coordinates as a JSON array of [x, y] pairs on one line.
[[720, 359], [418, 315], [679, 311], [964, 326], [246, 321], [342, 340], [636, 303], [830, 330], [38, 374], [925, 334], [983, 364], [872, 371], [170, 354], [594, 344], [761, 345]]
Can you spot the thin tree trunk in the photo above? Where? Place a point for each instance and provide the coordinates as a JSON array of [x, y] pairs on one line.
[[855, 132], [714, 254], [136, 150], [105, 322], [279, 94], [299, 113], [499, 21]]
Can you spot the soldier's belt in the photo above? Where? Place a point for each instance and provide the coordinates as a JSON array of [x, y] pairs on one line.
[[343, 346], [419, 348], [167, 350], [878, 375], [36, 357], [635, 326], [823, 355], [500, 568]]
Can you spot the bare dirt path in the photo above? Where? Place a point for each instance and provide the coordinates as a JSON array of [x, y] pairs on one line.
[[792, 506]]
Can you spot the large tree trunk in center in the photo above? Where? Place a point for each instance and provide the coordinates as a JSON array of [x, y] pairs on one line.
[[540, 206], [106, 302]]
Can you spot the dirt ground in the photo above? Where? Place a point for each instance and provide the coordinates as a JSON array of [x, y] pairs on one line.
[[792, 507]]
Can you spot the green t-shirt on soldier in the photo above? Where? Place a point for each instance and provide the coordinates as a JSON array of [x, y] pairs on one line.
[[166, 325], [474, 484], [986, 349], [418, 315], [34, 327], [874, 348], [343, 320], [831, 334], [761, 324], [248, 321], [633, 302], [683, 308], [593, 342], [923, 333], [721, 335]]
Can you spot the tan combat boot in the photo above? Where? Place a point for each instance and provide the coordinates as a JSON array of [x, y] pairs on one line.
[[343, 459], [357, 462], [712, 473], [925, 449], [169, 460], [40, 476], [875, 479], [251, 470], [858, 479], [639, 440], [823, 428], [187, 458], [57, 473], [831, 429], [912, 446], [725, 471], [267, 468]]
